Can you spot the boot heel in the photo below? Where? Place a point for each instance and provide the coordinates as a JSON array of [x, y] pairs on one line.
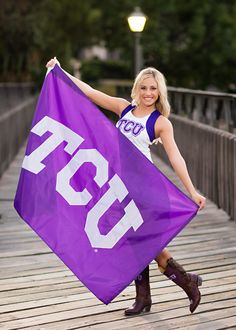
[[147, 309], [199, 281]]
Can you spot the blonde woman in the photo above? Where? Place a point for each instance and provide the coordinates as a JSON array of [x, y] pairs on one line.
[[143, 121]]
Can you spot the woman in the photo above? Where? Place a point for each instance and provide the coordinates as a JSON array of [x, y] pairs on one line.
[[142, 122]]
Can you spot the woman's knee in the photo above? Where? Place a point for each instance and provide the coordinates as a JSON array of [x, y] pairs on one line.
[[163, 257]]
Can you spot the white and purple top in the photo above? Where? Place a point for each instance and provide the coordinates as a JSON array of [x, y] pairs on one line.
[[140, 131]]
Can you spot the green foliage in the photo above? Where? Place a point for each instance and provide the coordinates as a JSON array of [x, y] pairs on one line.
[[34, 31], [15, 36], [93, 70], [193, 43]]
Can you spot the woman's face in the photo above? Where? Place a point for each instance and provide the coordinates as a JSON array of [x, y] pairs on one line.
[[148, 92]]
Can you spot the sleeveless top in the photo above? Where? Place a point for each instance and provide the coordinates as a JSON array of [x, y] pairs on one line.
[[140, 131]]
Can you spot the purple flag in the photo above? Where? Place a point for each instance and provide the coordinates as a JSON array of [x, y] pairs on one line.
[[102, 207]]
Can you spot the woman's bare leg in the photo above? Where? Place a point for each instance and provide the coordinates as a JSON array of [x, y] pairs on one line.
[[162, 259]]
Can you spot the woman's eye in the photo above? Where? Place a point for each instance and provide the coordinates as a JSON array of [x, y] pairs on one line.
[[145, 88]]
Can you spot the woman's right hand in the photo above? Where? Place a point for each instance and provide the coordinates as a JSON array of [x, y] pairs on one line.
[[51, 63]]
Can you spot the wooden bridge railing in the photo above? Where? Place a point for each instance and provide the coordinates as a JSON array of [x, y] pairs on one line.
[[12, 94], [16, 109], [212, 108], [210, 154]]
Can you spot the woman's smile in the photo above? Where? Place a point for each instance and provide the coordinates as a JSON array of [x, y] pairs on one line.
[[148, 91]]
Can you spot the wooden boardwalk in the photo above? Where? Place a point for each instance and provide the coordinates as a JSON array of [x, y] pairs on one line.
[[38, 292]]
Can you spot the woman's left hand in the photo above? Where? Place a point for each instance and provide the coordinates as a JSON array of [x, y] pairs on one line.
[[199, 199], [51, 63]]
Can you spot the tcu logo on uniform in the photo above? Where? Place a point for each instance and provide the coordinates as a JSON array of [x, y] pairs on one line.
[[130, 126], [117, 189]]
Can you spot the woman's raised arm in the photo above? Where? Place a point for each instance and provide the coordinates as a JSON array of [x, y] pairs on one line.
[[114, 104]]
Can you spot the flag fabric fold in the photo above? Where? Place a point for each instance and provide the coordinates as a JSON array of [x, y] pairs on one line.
[[100, 205]]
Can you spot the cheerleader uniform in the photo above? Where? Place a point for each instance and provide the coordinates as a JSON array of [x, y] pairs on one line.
[[140, 131]]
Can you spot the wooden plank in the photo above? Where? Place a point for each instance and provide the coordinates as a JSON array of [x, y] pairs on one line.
[[89, 315], [37, 291], [117, 307], [170, 317]]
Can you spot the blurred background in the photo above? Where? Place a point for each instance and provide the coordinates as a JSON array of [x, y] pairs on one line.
[[192, 42]]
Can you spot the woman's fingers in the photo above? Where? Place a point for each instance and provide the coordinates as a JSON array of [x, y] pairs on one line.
[[200, 200], [52, 62]]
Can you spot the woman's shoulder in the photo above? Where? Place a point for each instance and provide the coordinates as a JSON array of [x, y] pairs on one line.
[[164, 120], [127, 106], [163, 124]]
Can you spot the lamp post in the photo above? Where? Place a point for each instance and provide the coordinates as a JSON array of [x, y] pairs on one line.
[[136, 21]]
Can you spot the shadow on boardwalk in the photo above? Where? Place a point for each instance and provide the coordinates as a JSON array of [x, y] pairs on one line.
[[38, 292]]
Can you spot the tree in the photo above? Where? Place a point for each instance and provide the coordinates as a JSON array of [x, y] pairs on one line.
[[32, 32], [16, 36], [192, 42]]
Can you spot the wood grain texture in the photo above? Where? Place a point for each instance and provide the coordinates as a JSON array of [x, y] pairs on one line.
[[38, 292]]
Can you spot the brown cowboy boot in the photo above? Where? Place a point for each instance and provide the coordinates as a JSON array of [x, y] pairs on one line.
[[143, 297], [187, 281]]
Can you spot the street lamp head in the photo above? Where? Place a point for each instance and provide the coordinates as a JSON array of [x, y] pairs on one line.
[[137, 20]]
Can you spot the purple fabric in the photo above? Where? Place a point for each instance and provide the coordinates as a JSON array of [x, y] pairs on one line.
[[151, 124], [127, 109], [161, 208]]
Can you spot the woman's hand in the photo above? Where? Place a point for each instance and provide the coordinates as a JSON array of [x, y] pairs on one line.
[[199, 199], [51, 63]]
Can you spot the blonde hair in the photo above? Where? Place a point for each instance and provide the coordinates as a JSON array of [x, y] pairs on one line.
[[162, 104]]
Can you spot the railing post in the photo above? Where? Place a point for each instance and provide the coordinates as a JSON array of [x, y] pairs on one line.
[[197, 111], [227, 114]]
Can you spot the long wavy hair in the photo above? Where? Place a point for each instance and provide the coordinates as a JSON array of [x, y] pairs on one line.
[[162, 103]]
